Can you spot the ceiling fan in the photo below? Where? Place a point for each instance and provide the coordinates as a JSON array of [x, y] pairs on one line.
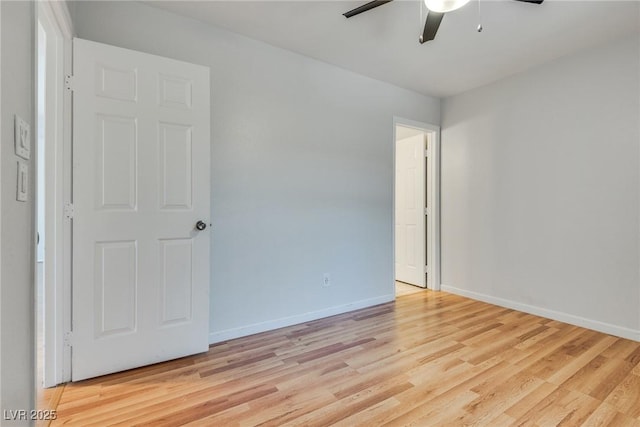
[[435, 12]]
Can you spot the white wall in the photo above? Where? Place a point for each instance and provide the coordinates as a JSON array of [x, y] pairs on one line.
[[302, 169], [17, 262], [540, 190]]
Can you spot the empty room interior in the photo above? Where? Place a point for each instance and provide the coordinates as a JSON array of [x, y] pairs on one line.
[[243, 213]]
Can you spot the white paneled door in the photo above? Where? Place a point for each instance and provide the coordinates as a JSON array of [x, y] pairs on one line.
[[140, 186], [410, 210]]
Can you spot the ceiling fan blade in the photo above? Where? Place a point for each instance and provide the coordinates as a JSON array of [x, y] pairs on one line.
[[531, 1], [365, 7], [431, 26]]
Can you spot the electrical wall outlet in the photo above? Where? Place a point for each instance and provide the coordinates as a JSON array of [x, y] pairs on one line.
[[326, 279]]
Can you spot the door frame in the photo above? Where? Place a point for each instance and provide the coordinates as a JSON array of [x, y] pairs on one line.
[[56, 20], [433, 132]]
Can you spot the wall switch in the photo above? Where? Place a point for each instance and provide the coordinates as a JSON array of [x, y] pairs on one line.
[[22, 194], [326, 279], [22, 137]]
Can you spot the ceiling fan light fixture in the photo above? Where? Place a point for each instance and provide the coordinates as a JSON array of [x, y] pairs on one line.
[[443, 6]]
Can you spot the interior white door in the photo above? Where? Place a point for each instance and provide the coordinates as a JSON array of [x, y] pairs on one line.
[[140, 184], [410, 210]]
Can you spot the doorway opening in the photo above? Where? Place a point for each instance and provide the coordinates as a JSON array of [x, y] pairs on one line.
[[416, 207]]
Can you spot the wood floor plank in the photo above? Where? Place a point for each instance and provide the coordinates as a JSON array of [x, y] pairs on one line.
[[606, 415], [572, 409], [578, 362], [427, 359], [530, 400], [493, 399], [560, 408], [438, 413], [626, 396], [599, 377], [431, 396], [368, 417], [621, 348]]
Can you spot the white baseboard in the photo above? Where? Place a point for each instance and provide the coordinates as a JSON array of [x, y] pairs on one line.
[[607, 328], [243, 331]]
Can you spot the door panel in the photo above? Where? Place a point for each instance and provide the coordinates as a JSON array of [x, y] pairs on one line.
[[116, 83], [115, 288], [141, 181], [116, 162], [175, 166], [410, 219], [176, 256]]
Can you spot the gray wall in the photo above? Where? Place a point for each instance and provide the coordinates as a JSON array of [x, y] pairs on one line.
[[17, 322], [302, 168], [540, 189]]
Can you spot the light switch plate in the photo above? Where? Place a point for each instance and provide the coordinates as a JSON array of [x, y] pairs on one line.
[[22, 194], [22, 137]]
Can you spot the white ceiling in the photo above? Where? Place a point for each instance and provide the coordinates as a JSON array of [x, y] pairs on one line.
[[383, 43]]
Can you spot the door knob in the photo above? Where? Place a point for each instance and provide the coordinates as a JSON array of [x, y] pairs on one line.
[[201, 225]]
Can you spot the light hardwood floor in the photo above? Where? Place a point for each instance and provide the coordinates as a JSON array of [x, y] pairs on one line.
[[406, 289], [427, 359]]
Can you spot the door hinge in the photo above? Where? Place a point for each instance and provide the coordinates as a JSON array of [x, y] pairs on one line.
[[426, 269], [68, 339], [68, 210], [68, 82], [427, 211], [426, 153]]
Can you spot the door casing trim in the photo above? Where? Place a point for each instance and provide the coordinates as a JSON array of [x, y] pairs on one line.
[[58, 170], [433, 131]]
